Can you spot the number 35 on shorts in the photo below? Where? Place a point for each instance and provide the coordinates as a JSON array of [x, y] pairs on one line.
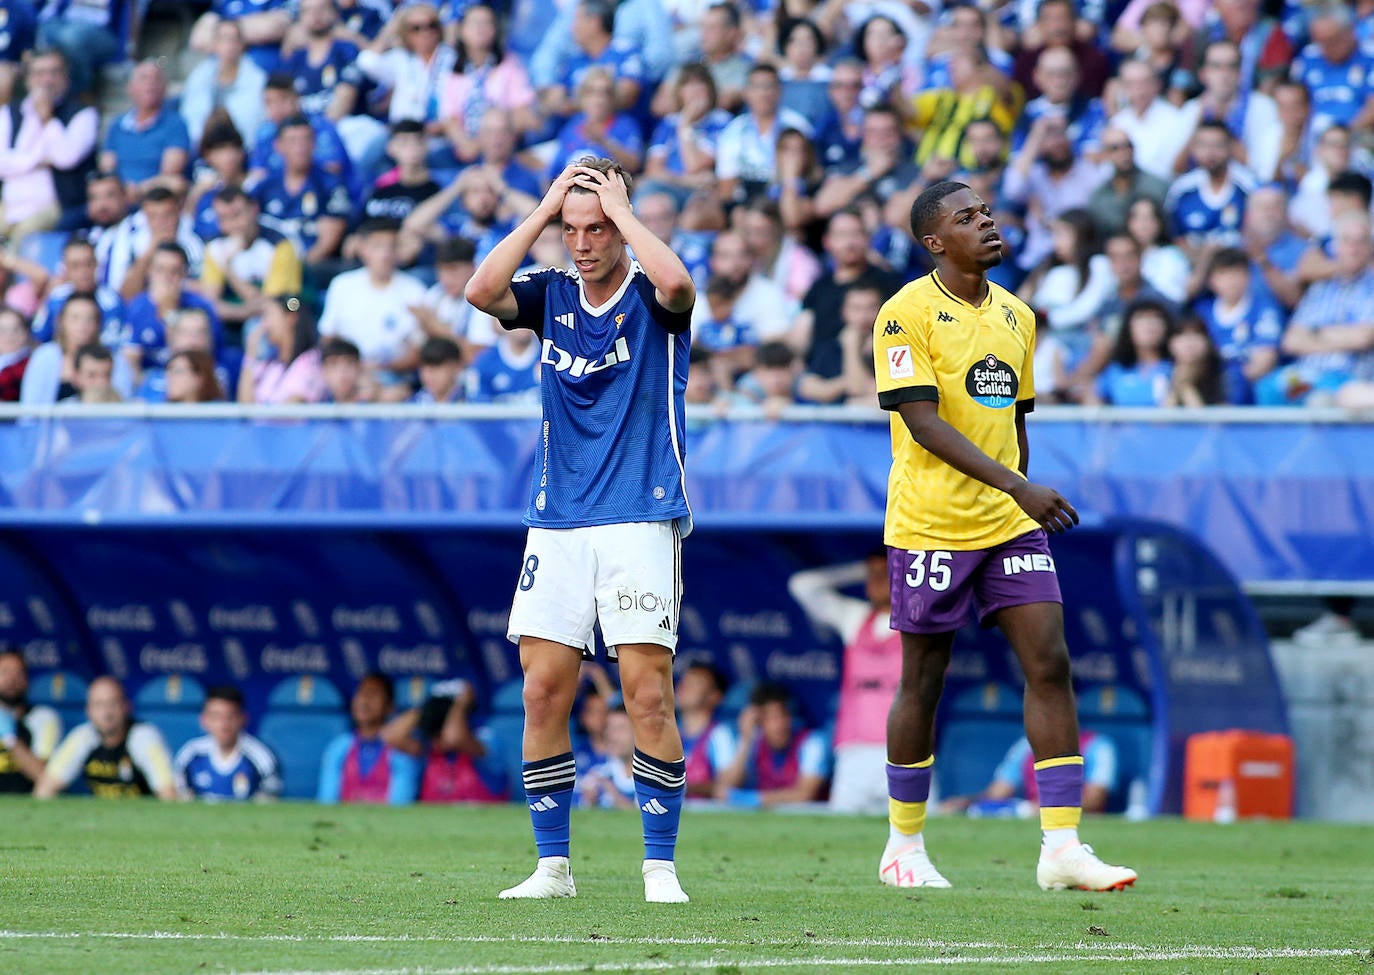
[[930, 569]]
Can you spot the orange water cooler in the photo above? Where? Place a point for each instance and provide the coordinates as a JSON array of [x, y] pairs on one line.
[[1237, 774]]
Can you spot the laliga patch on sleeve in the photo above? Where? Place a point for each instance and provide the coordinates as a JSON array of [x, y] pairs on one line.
[[899, 362]]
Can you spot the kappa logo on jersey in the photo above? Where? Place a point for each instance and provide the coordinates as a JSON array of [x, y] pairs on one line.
[[566, 320], [991, 382], [945, 316], [892, 328], [655, 808], [899, 362], [578, 366], [543, 805]]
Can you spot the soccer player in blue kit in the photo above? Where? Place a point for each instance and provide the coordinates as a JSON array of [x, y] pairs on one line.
[[608, 507]]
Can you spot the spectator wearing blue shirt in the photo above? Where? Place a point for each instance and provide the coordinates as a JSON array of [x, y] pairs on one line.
[[1338, 74], [149, 142], [598, 130], [222, 162], [640, 25], [145, 334], [1139, 373], [79, 277], [595, 47], [682, 149], [507, 372], [1245, 322], [1329, 333], [774, 763], [1206, 205], [364, 19], [17, 34], [315, 56], [302, 202], [1057, 75], [189, 332], [226, 763], [280, 101], [840, 128], [1273, 248], [263, 23]]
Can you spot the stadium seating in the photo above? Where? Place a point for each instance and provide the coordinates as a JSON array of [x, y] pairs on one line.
[[173, 703], [304, 714], [64, 692], [980, 724]]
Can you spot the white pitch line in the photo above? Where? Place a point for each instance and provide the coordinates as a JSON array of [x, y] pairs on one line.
[[832, 963], [1092, 949]]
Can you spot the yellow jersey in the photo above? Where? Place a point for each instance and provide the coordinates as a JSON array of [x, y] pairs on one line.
[[976, 364]]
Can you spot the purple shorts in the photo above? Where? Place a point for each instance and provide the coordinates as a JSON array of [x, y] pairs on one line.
[[932, 592]]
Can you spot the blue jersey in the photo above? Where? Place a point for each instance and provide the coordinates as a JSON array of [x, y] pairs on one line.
[[315, 83], [496, 376], [145, 329], [249, 770], [621, 58], [1338, 91], [17, 31], [724, 334], [612, 390], [1203, 216], [111, 314], [330, 154], [296, 215]]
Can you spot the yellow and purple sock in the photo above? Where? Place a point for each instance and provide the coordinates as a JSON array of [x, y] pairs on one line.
[[908, 788], [1060, 784]]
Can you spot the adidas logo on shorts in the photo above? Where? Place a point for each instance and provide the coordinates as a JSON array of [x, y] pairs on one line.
[[654, 808], [543, 805], [665, 624]]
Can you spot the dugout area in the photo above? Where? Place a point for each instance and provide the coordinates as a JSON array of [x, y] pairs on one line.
[[294, 609]]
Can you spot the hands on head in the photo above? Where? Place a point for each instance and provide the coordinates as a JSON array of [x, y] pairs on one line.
[[609, 188]]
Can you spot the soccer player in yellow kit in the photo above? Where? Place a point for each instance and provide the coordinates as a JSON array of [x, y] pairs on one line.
[[966, 530]]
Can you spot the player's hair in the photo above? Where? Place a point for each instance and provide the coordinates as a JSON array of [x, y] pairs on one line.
[[771, 692], [455, 250], [388, 685], [1228, 259], [439, 350], [225, 692], [775, 355], [605, 167], [716, 675], [281, 81], [337, 348], [926, 209], [1352, 183], [92, 350]]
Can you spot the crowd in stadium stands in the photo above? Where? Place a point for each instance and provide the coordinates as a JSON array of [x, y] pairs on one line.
[[1184, 188]]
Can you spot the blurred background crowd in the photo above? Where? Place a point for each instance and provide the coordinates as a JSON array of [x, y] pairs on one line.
[[1184, 188]]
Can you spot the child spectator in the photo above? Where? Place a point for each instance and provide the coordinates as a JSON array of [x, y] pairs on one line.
[[1245, 323], [291, 372], [222, 161], [371, 308], [610, 783], [247, 263], [1163, 265], [774, 763], [461, 763], [187, 331], [772, 382], [226, 762], [341, 366], [1197, 379], [14, 353], [397, 193], [441, 367], [444, 312], [1139, 373], [507, 372], [118, 756], [361, 767], [94, 367], [151, 311], [1073, 283]]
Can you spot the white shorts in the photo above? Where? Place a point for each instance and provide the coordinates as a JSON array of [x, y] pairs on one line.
[[629, 577]]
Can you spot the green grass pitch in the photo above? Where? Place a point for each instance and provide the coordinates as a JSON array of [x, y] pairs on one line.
[[145, 889]]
